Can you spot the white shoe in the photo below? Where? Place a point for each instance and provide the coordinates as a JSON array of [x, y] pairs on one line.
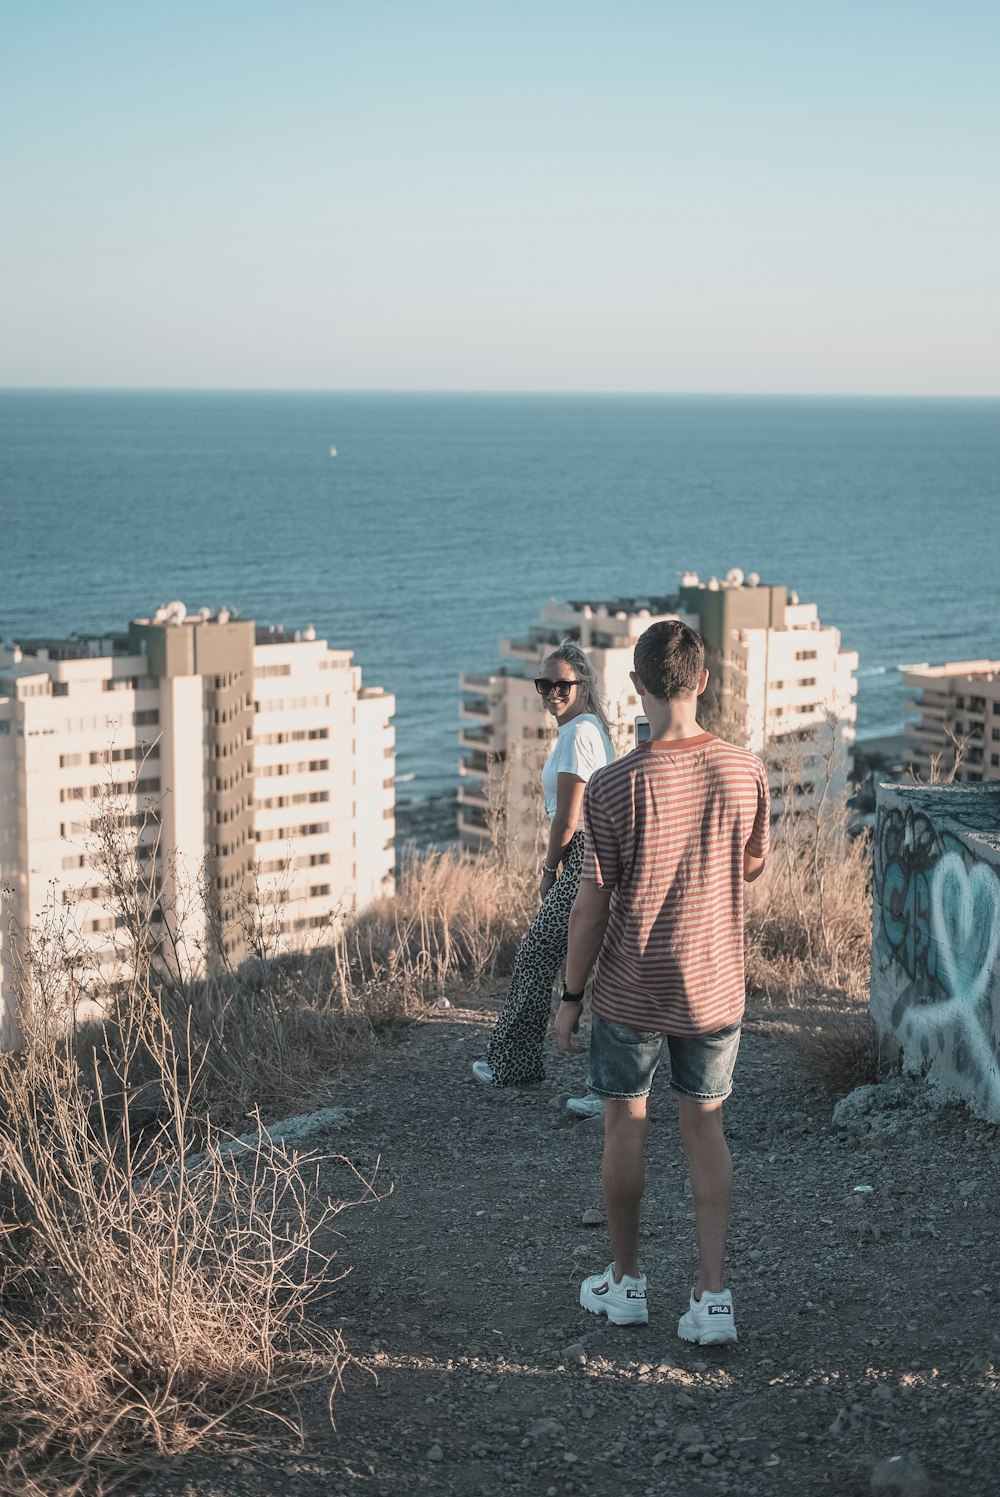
[[710, 1320], [483, 1072], [623, 1303], [590, 1106]]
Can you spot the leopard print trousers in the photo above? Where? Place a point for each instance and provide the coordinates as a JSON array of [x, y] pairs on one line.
[[515, 1052]]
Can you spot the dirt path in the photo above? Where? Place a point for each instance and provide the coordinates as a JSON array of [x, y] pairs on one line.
[[867, 1324]]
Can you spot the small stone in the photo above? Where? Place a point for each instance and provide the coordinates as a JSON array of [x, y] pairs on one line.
[[569, 1458], [442, 1003], [708, 1459], [541, 1427], [435, 1453], [902, 1474], [685, 1401], [699, 1366], [575, 1353], [592, 1217], [689, 1434], [968, 1188]]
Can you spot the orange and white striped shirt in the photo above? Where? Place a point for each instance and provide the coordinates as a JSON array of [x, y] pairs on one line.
[[667, 827]]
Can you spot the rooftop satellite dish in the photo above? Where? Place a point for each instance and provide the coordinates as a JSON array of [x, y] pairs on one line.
[[204, 614], [160, 616], [793, 598], [753, 579], [714, 585], [175, 613], [690, 579], [222, 617], [735, 577]]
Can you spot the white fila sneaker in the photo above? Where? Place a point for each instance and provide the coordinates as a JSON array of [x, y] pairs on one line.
[[623, 1303], [709, 1321]]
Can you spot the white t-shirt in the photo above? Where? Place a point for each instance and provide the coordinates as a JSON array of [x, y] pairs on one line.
[[582, 747]]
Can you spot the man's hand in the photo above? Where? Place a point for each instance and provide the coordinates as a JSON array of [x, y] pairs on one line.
[[567, 1024]]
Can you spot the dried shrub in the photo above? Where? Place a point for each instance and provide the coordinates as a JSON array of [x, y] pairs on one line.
[[839, 1049], [147, 1305]]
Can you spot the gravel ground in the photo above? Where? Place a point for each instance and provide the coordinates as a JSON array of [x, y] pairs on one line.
[[866, 1321]]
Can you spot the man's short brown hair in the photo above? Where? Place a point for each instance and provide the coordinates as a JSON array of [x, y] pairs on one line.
[[669, 659]]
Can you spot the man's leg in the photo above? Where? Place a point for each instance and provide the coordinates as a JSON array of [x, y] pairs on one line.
[[623, 1177], [710, 1166]]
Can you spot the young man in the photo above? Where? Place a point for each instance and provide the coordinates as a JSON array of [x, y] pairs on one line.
[[673, 831]]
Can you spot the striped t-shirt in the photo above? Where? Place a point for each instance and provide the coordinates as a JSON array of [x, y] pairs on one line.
[[667, 827]]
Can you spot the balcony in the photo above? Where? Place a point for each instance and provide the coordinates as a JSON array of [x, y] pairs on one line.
[[472, 793], [479, 739], [473, 827], [475, 707], [477, 763]]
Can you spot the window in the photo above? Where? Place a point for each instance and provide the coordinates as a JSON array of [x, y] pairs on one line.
[[959, 701], [805, 654], [318, 891], [995, 760], [995, 735], [148, 717], [69, 761], [807, 681]]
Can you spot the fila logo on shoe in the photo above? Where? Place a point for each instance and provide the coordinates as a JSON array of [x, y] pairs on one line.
[[635, 1294], [720, 1309], [601, 1288]]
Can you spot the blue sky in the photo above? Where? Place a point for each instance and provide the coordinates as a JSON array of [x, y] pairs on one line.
[[556, 196]]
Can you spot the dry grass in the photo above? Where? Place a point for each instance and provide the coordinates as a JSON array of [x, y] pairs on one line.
[[839, 1049], [145, 1307]]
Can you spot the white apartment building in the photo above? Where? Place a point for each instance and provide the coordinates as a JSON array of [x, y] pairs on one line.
[[957, 732], [250, 764], [778, 678]]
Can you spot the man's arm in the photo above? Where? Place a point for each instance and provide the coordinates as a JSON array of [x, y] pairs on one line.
[[752, 867], [588, 920]]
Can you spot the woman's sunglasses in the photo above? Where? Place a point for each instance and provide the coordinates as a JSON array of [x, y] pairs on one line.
[[545, 687]]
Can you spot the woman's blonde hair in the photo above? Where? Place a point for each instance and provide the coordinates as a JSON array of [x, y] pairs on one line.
[[583, 670]]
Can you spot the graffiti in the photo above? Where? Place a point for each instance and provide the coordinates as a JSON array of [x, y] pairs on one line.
[[965, 918], [906, 849], [936, 953]]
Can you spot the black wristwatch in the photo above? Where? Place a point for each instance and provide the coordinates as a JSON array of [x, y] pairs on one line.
[[568, 997]]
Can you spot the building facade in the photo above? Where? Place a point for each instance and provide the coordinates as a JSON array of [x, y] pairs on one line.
[[249, 769], [956, 731], [779, 682]]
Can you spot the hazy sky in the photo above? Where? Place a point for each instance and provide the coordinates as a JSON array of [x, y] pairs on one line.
[[785, 195]]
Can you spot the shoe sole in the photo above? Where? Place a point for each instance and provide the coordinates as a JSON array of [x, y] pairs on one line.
[[585, 1112], [708, 1338], [600, 1308]]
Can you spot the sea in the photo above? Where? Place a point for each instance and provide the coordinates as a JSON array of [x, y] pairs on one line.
[[419, 529]]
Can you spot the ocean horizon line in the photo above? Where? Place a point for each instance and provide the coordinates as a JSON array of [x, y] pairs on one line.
[[803, 396]]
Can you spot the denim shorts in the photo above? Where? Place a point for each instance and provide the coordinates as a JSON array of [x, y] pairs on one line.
[[623, 1061]]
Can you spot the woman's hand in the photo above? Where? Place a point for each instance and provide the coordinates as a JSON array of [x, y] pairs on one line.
[[548, 879]]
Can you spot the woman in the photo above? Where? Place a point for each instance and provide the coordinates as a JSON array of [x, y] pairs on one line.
[[568, 688]]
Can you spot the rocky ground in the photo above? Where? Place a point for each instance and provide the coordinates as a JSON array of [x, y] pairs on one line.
[[867, 1320]]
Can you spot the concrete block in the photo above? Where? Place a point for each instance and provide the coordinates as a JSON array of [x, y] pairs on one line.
[[935, 983]]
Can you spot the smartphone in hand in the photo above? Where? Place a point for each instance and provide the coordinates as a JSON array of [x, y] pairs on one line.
[[641, 730]]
